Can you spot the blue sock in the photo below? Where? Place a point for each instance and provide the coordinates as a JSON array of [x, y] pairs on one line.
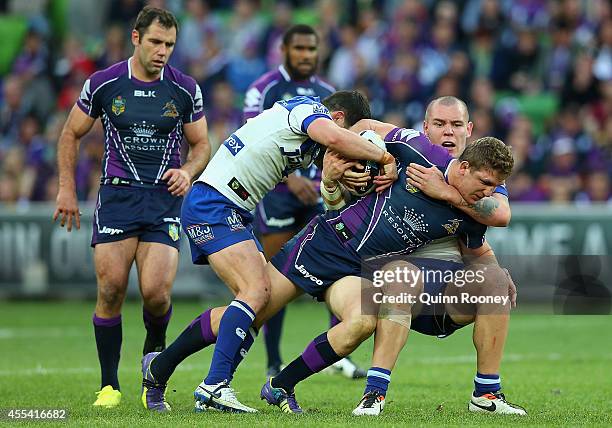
[[244, 348], [378, 380], [486, 383], [233, 329]]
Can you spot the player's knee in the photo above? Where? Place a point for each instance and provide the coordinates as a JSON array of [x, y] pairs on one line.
[[493, 280], [257, 297], [156, 299], [110, 296], [360, 327]]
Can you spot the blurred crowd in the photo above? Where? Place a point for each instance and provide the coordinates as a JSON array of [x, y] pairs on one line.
[[535, 73]]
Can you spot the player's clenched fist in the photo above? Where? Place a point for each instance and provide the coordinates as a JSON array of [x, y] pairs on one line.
[[178, 181]]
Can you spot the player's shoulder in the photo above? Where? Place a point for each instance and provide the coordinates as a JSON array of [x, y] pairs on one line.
[[107, 75], [304, 100], [418, 142], [324, 84], [267, 80], [180, 79]]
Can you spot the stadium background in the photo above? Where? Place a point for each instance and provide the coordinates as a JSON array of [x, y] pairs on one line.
[[535, 73]]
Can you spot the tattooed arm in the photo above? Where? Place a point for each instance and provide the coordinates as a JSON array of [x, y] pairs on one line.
[[492, 210]]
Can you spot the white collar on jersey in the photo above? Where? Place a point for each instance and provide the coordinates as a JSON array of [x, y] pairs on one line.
[[447, 168], [129, 65], [283, 71]]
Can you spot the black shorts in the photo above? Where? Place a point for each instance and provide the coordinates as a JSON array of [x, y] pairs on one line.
[[151, 214]]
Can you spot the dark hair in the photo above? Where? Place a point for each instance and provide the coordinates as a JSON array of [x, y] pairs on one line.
[[353, 104], [298, 29], [491, 154], [148, 15]]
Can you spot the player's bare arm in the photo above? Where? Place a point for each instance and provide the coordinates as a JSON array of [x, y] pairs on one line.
[[491, 210], [353, 146], [179, 179], [66, 203], [381, 128]]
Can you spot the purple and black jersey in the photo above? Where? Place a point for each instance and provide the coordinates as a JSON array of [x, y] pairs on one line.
[[402, 219], [143, 121]]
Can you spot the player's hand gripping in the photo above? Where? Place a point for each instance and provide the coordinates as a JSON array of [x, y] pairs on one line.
[[178, 181], [430, 181], [303, 188], [389, 167], [67, 207], [336, 167]]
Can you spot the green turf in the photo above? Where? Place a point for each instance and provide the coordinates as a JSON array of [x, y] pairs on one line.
[[558, 367]]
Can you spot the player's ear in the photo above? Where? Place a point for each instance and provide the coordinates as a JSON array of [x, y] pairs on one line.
[[135, 38], [470, 128], [339, 118], [464, 167]]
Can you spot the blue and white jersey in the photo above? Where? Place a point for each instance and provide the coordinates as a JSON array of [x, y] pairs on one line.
[[143, 121], [264, 150], [402, 219]]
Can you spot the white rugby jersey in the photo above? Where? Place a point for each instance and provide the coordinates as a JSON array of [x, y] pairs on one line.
[[267, 148]]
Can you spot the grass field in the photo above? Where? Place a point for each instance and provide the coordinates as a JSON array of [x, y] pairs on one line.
[[558, 367]]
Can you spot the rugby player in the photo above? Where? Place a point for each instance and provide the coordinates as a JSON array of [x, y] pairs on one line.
[[216, 218], [291, 204], [446, 124], [404, 216], [146, 108]]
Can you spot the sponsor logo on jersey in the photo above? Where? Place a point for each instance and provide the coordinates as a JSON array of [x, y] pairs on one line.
[[415, 220], [143, 129], [234, 221], [145, 94], [305, 91], [170, 110], [238, 189], [294, 160], [320, 109], [173, 232], [411, 188], [343, 232], [279, 222], [301, 269], [452, 227], [233, 144], [200, 233], [118, 105], [110, 230]]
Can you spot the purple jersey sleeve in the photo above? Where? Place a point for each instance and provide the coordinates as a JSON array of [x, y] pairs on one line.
[[88, 100], [472, 233], [419, 142], [256, 94], [188, 85]]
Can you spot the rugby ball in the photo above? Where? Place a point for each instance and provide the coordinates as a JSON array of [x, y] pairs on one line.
[[371, 167]]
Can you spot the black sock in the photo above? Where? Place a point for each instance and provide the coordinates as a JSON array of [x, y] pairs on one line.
[[194, 338], [156, 330], [272, 335], [108, 341], [317, 355]]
